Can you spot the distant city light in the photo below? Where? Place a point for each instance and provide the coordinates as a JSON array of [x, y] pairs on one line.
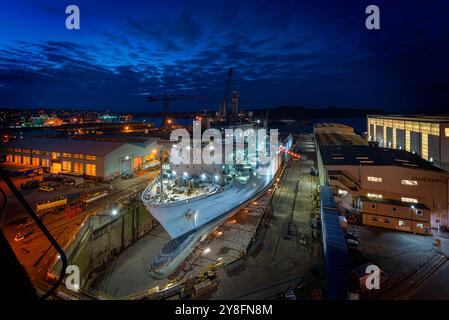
[[203, 176], [114, 212], [173, 172], [206, 251]]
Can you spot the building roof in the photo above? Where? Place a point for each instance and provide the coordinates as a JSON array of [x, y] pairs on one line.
[[98, 148], [395, 202], [331, 124], [420, 118], [372, 155], [333, 139]]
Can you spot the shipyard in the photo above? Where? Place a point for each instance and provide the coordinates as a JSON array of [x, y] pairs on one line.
[[180, 154]]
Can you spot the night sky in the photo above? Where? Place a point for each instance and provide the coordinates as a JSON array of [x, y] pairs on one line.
[[309, 53]]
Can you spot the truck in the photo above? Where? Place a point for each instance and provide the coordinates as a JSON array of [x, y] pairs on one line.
[[51, 205]]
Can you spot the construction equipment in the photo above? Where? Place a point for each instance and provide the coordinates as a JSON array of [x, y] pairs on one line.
[[166, 98], [222, 110]]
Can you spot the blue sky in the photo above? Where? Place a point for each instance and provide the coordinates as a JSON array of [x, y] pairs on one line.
[[310, 53]]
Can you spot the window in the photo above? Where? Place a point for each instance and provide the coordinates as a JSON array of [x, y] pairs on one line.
[[17, 150], [26, 160], [66, 155], [374, 179], [26, 150], [409, 182], [395, 209], [412, 200], [91, 169], [9, 158], [17, 159], [78, 156], [90, 157], [55, 155], [387, 220], [446, 132], [66, 166], [420, 225], [374, 219], [418, 212], [35, 161], [373, 206], [78, 167], [401, 223], [374, 195]]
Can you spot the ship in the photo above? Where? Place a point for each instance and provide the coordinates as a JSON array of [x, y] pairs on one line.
[[190, 206]]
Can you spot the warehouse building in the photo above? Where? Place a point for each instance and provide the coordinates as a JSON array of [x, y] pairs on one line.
[[387, 188], [425, 136], [96, 159]]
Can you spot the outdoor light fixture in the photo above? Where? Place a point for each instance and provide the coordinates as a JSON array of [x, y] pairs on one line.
[[206, 251], [185, 174], [217, 177], [127, 158], [203, 176], [173, 172], [114, 212]]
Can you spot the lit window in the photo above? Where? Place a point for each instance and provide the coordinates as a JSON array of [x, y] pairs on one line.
[[409, 182], [66, 165], [401, 223], [91, 169], [446, 132], [90, 157], [374, 179], [412, 200], [374, 195]]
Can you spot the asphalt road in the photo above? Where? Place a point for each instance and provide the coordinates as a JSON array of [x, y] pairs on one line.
[[436, 287]]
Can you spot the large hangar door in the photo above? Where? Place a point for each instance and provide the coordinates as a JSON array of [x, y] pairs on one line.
[[125, 166]]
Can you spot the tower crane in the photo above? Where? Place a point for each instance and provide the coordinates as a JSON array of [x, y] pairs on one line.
[[165, 99]]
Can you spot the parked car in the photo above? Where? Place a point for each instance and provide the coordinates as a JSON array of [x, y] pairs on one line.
[[46, 188], [19, 237], [352, 236], [353, 245]]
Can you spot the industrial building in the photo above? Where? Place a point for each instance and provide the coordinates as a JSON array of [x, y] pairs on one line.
[[387, 188], [426, 136], [96, 159]]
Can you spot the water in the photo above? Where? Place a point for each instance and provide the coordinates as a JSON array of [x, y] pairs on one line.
[[359, 124]]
